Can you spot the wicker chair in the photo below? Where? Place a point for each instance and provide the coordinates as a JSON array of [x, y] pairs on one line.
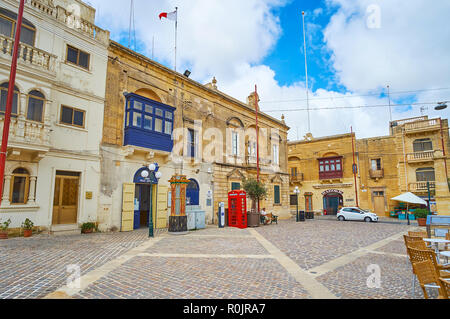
[[416, 243], [445, 288], [418, 255], [427, 276], [422, 234]]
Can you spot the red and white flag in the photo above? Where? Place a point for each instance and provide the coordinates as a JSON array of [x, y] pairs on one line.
[[168, 15]]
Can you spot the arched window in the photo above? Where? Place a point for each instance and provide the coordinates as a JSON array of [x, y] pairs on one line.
[[425, 174], [4, 97], [8, 27], [35, 108], [20, 183]]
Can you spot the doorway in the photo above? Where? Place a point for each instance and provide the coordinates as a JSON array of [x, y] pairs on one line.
[[331, 203], [65, 198], [142, 205], [192, 192], [378, 203]]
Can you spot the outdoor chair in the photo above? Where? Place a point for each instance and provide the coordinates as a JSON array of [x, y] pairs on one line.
[[422, 234], [418, 255], [445, 288], [416, 243], [427, 277]]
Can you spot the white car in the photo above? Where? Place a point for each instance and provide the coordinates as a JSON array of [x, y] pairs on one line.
[[356, 213]]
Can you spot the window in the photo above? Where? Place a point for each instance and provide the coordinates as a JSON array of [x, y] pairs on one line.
[[191, 145], [251, 148], [276, 154], [422, 145], [330, 167], [376, 164], [78, 57], [235, 143], [71, 116], [4, 97], [35, 107], [20, 183], [425, 174], [276, 194], [293, 171], [235, 186], [378, 193], [8, 27], [293, 199]]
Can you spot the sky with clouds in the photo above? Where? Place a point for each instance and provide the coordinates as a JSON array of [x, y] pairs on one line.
[[355, 48]]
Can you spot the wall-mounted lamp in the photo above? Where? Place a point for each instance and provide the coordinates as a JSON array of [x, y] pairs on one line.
[[187, 73]]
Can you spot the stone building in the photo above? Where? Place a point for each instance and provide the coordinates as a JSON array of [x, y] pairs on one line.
[[154, 115], [415, 152], [53, 162]]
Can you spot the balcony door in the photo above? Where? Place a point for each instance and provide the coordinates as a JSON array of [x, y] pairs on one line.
[[65, 198]]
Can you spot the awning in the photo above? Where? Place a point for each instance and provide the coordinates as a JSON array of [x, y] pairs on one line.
[[410, 198]]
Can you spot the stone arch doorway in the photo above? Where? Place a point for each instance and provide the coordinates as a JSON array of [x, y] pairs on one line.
[[332, 201], [192, 193], [144, 181]]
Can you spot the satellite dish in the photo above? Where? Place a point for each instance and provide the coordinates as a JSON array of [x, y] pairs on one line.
[[441, 106]]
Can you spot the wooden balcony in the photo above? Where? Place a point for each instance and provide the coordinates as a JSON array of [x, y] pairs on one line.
[[421, 187], [422, 126], [333, 175], [420, 157], [376, 174], [28, 55]]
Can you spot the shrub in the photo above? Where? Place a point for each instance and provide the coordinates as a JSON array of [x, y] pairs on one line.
[[27, 224], [4, 226], [421, 213]]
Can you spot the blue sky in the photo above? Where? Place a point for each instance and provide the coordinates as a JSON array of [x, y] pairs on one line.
[[351, 60]]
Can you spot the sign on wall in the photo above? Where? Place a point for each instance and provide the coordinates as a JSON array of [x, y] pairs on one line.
[[329, 191]]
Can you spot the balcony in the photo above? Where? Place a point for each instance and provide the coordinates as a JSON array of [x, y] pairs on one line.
[[421, 187], [331, 175], [422, 126], [27, 137], [296, 178], [28, 56], [376, 174], [251, 160], [420, 157]]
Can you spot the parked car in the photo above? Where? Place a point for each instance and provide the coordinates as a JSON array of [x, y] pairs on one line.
[[356, 213]]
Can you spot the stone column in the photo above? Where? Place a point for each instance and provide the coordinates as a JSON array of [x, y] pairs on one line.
[[22, 106], [6, 189], [31, 197]]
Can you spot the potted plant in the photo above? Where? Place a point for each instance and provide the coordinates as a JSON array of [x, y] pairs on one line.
[[421, 216], [4, 229], [27, 226], [87, 228], [256, 191]]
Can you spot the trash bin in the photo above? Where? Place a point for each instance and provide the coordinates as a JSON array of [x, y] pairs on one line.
[[301, 215]]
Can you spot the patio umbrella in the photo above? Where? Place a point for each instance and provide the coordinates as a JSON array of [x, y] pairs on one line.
[[410, 198]]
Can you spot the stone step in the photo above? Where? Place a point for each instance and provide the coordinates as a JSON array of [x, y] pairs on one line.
[[64, 230]]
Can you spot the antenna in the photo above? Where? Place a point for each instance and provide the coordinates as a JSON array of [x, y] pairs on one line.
[[306, 71], [132, 26], [389, 97]]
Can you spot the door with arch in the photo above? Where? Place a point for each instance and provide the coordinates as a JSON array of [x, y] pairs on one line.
[[192, 192], [331, 203]]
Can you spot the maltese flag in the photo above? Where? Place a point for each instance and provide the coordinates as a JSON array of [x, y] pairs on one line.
[[168, 15]]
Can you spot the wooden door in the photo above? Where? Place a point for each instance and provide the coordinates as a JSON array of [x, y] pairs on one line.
[[161, 215], [127, 207], [65, 200], [378, 203]]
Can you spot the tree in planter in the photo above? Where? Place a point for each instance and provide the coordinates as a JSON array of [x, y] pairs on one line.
[[255, 190], [421, 216], [27, 226], [88, 227]]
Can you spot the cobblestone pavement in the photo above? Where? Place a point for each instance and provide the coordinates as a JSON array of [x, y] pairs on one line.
[[288, 260]]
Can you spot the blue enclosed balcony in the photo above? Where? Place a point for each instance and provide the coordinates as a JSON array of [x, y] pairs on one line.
[[148, 123]]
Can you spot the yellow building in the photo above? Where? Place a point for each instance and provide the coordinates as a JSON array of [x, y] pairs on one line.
[[156, 115], [410, 159]]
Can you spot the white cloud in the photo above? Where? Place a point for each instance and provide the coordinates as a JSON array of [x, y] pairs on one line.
[[229, 39]]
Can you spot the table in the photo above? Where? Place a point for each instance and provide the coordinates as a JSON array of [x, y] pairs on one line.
[[436, 242], [445, 254]]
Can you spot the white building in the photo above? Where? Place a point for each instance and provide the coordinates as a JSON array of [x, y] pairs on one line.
[[53, 161]]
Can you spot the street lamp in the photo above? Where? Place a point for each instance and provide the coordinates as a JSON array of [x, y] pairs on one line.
[[153, 169], [297, 191]]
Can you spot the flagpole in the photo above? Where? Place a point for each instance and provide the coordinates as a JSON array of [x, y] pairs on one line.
[[257, 139], [306, 71], [176, 27]]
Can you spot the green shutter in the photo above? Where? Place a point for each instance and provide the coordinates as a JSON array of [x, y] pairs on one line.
[[276, 191]]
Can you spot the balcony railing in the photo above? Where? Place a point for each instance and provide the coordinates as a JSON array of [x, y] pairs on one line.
[[331, 175], [28, 55], [378, 173], [420, 156], [422, 125], [27, 134], [297, 178], [251, 160], [420, 187]]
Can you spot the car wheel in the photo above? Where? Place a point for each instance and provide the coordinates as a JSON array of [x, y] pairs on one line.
[[341, 218], [367, 219]]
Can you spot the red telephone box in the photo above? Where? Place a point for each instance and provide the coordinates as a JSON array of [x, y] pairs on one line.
[[237, 209]]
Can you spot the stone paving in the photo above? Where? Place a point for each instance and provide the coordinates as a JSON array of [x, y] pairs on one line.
[[288, 260]]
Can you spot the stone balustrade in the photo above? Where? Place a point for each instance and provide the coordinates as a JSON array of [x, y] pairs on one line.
[[25, 133], [421, 156], [28, 54], [422, 125], [420, 187]]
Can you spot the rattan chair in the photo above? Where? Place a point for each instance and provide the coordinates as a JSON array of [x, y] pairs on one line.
[[422, 234], [418, 255], [416, 243], [445, 288], [427, 277]]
